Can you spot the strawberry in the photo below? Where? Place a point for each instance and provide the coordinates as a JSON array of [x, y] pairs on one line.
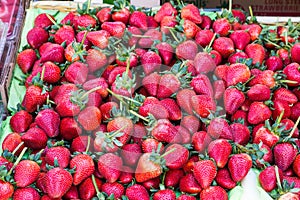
[[87, 190], [59, 181], [51, 72], [65, 33], [191, 123], [204, 37], [219, 128], [84, 21], [35, 138], [90, 118], [166, 52], [224, 179], [284, 155], [164, 194], [186, 197], [68, 19], [126, 175], [259, 92], [124, 124], [150, 83], [267, 178], [168, 84], [203, 105], [214, 192], [240, 133], [284, 94], [115, 189], [26, 60], [53, 53], [106, 109], [165, 131], [253, 29], [150, 144], [184, 98], [239, 166], [295, 111], [292, 73], [224, 46], [150, 36], [205, 171], [219, 89], [177, 158], [99, 38], [172, 177], [206, 22], [190, 29], [59, 153], [152, 183], [131, 154], [166, 9], [296, 165], [220, 151], [237, 73], [189, 184], [239, 14], [11, 142], [256, 52], [104, 15], [233, 99], [121, 15], [48, 120], [76, 73], [110, 165], [84, 167], [80, 144], [26, 193], [279, 107], [263, 77], [240, 39], [33, 98], [200, 140], [7, 190], [204, 63], [237, 56], [72, 193], [36, 37], [42, 20], [139, 20], [97, 83], [20, 121], [295, 52], [173, 109], [258, 113], [137, 192], [166, 23], [95, 60], [192, 13], [274, 63], [26, 172], [217, 57], [187, 50], [150, 62], [221, 26], [202, 85]]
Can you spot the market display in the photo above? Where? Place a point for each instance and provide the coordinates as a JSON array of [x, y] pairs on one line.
[[169, 103]]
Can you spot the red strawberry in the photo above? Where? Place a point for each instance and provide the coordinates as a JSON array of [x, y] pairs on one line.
[[284, 94], [150, 36], [267, 178], [259, 92], [33, 98], [184, 98], [165, 194], [104, 15], [80, 143], [59, 181], [165, 10], [166, 23], [274, 63], [237, 56], [137, 192], [187, 50], [279, 107], [20, 121], [87, 189], [166, 52], [95, 60], [224, 179], [221, 26], [292, 73], [150, 62], [131, 154], [296, 165], [214, 192], [219, 89], [191, 123], [240, 38], [189, 184], [150, 83], [26, 172], [165, 131], [35, 138], [139, 20], [48, 120], [204, 63], [186, 197], [295, 111], [7, 190], [233, 99], [203, 105], [253, 29], [76, 73], [126, 175], [121, 15], [68, 19], [284, 155], [266, 136], [149, 145], [115, 189], [110, 165], [53, 53], [151, 23], [152, 183], [206, 22], [84, 21], [121, 123], [99, 38], [256, 52], [177, 158], [59, 153], [202, 85], [168, 85], [42, 20], [224, 46], [72, 193], [239, 166], [258, 113], [205, 172], [239, 14], [240, 133], [36, 37], [99, 83], [295, 52], [173, 109], [172, 177], [26, 60], [26, 193], [265, 77], [200, 140], [219, 127], [190, 29], [84, 167], [192, 13], [11, 142], [51, 72], [106, 109], [90, 118], [220, 151], [65, 33], [237, 73], [204, 37]]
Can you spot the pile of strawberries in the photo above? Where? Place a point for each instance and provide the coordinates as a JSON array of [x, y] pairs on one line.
[[126, 103]]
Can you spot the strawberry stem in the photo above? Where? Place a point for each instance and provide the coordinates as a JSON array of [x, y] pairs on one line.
[[98, 193], [278, 178], [251, 12], [43, 73], [173, 34], [141, 36], [50, 18], [294, 128], [211, 42], [139, 116], [230, 6], [90, 91], [88, 144], [17, 161], [288, 81], [17, 148], [83, 39], [167, 153], [117, 96], [118, 131]]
